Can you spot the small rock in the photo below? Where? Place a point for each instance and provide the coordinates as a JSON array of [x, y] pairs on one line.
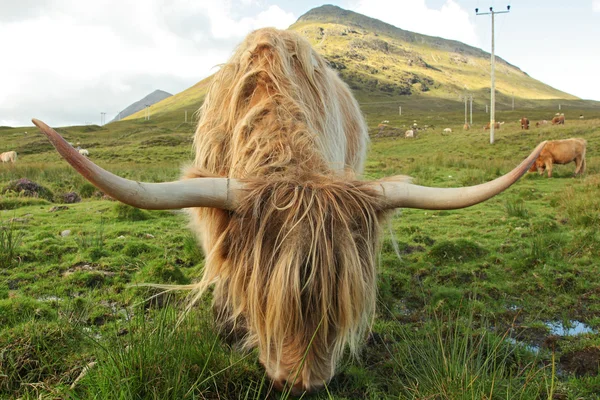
[[149, 236], [71, 198], [65, 233], [121, 237], [58, 208]]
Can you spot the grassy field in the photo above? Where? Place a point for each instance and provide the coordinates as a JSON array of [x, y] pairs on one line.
[[500, 300]]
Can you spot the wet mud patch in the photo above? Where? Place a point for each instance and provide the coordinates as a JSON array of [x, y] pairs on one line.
[[584, 362]]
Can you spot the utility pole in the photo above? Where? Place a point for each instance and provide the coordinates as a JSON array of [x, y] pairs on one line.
[[147, 114], [493, 62], [466, 108], [102, 118], [399, 110], [471, 98]]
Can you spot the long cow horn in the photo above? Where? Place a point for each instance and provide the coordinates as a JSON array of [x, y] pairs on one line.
[[407, 195], [197, 192]]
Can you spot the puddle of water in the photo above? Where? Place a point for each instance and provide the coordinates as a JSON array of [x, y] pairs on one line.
[[530, 347], [573, 328]]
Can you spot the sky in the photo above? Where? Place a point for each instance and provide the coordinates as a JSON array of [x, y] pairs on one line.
[[66, 61]]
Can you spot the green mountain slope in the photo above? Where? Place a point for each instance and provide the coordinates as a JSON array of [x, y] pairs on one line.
[[374, 56], [386, 64]]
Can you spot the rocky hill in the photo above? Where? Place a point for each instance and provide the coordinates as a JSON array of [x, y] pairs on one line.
[[151, 99]]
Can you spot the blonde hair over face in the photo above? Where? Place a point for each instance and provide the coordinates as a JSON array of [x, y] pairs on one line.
[[294, 265]]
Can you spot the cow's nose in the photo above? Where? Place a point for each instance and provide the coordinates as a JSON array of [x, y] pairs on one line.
[[296, 390]]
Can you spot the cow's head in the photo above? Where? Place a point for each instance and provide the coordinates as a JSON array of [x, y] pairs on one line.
[[538, 165]]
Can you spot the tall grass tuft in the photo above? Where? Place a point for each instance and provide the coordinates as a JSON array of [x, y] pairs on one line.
[[93, 243], [10, 240], [449, 358], [161, 358], [516, 208]]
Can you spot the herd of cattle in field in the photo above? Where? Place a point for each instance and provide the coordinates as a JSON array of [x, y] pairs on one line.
[[555, 152], [11, 156], [575, 153]]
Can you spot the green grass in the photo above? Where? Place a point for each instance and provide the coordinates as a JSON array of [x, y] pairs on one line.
[[455, 286]]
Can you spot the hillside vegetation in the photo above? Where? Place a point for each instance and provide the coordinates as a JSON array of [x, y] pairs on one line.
[[388, 67]]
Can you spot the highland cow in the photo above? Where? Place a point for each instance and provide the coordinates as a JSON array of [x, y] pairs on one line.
[[561, 152], [289, 230], [9, 156]]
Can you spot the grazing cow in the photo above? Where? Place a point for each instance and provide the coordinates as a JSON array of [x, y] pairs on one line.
[[561, 152], [409, 134], [84, 152], [9, 156], [580, 116], [524, 123], [289, 231], [447, 130], [559, 119], [496, 126], [385, 121], [466, 127]]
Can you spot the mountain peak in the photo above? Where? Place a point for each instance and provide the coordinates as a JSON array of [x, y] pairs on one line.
[[150, 99]]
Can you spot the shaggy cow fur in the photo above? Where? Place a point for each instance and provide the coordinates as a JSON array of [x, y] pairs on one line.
[[9, 156], [294, 266]]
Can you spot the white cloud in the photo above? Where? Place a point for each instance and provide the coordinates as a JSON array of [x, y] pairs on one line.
[[75, 59], [596, 5], [449, 22]]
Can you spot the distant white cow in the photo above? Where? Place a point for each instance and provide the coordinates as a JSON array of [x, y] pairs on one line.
[[385, 121], [447, 130], [9, 156], [409, 134], [84, 152]]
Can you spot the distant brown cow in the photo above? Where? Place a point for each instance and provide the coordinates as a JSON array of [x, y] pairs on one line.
[[561, 152], [466, 127], [558, 119], [524, 123], [496, 126]]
